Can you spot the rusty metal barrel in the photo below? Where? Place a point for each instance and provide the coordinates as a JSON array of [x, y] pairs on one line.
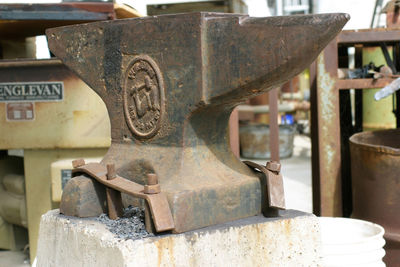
[[375, 170]]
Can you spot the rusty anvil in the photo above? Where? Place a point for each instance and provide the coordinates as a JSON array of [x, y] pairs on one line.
[[170, 84]]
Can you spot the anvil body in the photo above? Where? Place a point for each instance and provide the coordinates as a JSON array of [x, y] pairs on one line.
[[170, 83]]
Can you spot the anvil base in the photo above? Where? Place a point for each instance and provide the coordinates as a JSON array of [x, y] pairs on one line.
[[191, 209], [202, 207], [293, 239]]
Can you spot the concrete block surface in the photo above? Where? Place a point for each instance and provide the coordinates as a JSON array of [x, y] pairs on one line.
[[293, 239]]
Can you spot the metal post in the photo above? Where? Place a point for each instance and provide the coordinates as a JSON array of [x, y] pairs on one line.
[[273, 124], [327, 185]]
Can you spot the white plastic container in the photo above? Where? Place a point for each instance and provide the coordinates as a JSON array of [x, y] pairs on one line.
[[351, 242]]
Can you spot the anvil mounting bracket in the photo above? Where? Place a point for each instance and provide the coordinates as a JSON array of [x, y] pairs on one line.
[[274, 183], [158, 203]]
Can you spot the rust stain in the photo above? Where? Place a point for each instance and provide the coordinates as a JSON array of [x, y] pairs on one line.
[[287, 229], [328, 135], [159, 252], [328, 110], [165, 250]]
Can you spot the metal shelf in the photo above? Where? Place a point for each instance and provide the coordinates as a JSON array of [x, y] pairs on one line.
[[332, 123], [344, 84]]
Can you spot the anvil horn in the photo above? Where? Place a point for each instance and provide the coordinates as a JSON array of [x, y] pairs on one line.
[[239, 55], [257, 54], [169, 84]]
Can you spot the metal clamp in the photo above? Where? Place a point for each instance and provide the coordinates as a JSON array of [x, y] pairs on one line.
[[156, 200], [274, 189]]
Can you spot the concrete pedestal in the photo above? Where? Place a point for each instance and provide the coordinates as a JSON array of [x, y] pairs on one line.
[[290, 240]]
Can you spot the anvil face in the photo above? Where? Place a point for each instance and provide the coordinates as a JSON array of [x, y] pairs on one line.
[[170, 83]]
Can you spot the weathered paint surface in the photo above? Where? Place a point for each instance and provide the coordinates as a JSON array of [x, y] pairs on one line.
[[328, 109], [329, 175], [79, 120]]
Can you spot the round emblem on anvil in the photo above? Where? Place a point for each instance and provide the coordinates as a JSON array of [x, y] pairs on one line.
[[143, 97]]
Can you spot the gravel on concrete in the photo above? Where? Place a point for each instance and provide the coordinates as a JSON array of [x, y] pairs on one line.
[[130, 226]]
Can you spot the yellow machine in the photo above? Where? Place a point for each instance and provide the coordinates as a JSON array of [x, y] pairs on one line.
[[13, 221], [41, 134]]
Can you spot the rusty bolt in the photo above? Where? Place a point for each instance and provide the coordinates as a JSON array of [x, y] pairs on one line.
[[111, 174], [273, 166], [152, 186], [152, 179], [78, 163]]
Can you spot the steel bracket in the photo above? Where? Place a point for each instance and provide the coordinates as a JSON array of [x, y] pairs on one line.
[[274, 183], [158, 203]]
